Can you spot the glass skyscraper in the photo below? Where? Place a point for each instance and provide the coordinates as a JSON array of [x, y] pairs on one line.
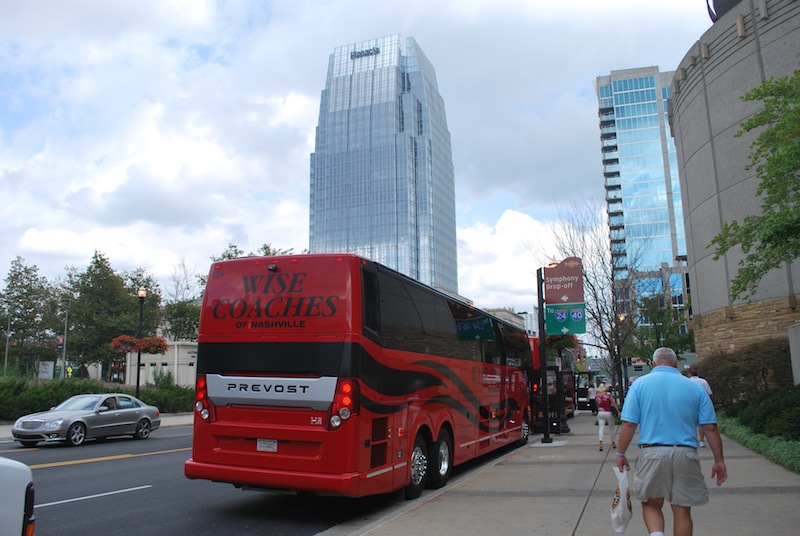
[[382, 179], [641, 179]]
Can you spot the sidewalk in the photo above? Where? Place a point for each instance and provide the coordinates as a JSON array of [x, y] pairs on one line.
[[565, 488]]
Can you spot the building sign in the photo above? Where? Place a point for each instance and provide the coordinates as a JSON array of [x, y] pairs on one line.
[[374, 51], [45, 370]]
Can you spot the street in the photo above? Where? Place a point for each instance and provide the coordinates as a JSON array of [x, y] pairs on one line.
[[138, 488]]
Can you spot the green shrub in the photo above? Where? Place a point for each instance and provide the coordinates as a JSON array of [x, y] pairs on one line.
[[782, 452], [162, 379], [169, 398], [10, 389], [775, 413], [742, 375], [20, 396], [786, 425]]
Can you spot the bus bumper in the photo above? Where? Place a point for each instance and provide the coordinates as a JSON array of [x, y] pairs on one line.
[[347, 484]]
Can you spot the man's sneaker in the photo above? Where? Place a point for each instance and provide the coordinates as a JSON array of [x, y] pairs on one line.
[[702, 444]]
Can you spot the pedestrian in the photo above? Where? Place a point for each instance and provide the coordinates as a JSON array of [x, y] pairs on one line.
[[667, 407], [605, 401], [692, 373], [591, 394]]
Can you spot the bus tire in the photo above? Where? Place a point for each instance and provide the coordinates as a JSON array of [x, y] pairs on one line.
[[418, 469], [440, 463], [526, 429]]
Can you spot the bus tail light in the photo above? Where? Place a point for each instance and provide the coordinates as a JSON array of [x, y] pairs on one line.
[[202, 404], [345, 402]]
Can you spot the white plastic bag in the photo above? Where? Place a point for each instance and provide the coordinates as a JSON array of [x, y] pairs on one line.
[[621, 509]]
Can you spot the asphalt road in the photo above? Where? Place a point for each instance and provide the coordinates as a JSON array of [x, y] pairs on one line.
[[136, 488]]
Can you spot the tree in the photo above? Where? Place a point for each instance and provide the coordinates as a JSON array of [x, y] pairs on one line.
[[608, 284], [182, 320], [104, 306], [182, 310], [235, 252], [31, 311], [771, 238], [139, 278], [268, 251], [183, 284], [231, 252], [558, 343], [658, 322]]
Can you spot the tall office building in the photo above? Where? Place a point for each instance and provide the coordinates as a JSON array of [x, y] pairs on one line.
[[382, 179], [641, 180]]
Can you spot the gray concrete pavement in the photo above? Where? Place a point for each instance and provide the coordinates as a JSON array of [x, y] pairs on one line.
[[565, 488]]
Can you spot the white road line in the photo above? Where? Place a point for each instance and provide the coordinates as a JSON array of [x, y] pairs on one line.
[[92, 496]]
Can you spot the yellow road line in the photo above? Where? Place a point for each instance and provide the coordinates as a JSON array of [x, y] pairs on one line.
[[104, 459]]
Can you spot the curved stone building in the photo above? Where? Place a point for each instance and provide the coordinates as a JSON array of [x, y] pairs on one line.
[[753, 41]]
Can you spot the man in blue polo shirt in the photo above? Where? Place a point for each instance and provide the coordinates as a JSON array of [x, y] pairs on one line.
[[668, 407]]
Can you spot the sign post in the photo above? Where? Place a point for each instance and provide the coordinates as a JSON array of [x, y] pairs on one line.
[[543, 361], [564, 313]]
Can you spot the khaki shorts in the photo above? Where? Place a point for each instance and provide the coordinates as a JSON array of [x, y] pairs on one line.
[[670, 473]]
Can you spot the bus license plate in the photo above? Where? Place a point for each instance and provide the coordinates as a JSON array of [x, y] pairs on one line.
[[267, 445]]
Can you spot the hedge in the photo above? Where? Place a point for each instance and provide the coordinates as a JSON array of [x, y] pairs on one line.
[[21, 396]]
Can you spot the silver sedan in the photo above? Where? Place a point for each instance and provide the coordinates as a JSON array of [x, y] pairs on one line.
[[85, 417]]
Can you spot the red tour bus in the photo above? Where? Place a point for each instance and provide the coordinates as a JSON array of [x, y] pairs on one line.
[[337, 375]]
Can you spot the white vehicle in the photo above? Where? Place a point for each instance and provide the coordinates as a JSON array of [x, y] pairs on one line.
[[16, 499]]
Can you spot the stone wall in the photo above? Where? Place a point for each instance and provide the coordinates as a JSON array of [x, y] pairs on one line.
[[737, 326]]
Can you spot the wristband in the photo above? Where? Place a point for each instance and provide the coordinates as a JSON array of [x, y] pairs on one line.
[[621, 454]]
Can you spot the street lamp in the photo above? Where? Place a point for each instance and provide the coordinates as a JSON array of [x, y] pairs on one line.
[[8, 338], [622, 362], [64, 349], [142, 293]]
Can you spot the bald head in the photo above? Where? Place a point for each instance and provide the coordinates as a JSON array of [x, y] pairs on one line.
[[665, 357]]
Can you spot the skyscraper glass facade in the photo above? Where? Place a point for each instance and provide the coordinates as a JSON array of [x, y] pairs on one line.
[[641, 178], [382, 178]]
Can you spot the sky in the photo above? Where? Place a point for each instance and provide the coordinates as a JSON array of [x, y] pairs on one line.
[[159, 131]]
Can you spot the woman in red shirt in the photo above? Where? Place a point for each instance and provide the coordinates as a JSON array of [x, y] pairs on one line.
[[605, 401]]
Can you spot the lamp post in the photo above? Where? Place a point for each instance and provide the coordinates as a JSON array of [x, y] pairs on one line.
[[142, 293], [64, 349], [8, 338], [622, 363]]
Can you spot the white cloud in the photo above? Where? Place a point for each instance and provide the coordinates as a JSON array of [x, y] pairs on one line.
[[163, 130], [498, 263]]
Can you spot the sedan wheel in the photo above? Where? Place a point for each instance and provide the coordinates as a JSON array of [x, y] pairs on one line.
[[76, 434], [142, 429]]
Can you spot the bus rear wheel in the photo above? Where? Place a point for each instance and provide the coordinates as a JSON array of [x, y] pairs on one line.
[[526, 429], [441, 462], [419, 468]]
